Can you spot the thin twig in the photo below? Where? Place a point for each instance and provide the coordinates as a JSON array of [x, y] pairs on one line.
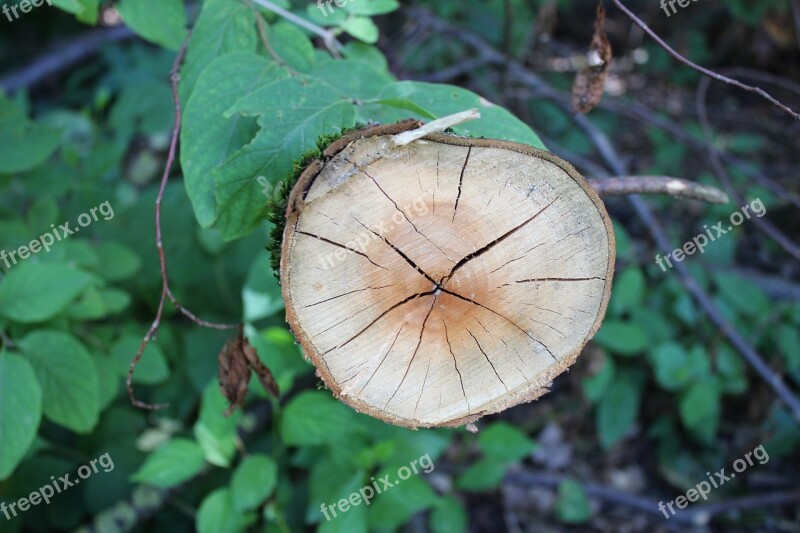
[[262, 33], [710, 73], [328, 37], [762, 224], [166, 292], [666, 185]]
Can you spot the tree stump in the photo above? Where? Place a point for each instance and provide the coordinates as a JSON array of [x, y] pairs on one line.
[[444, 280]]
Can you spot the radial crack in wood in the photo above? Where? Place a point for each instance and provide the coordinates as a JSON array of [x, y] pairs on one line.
[[440, 281]]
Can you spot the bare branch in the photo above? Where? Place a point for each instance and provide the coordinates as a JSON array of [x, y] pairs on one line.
[[166, 292], [665, 185], [328, 37]]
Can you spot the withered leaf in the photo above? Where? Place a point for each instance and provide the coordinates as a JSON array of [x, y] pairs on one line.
[[233, 373], [264, 375], [236, 360], [587, 91]]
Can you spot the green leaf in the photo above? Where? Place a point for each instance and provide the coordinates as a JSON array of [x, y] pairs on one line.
[[741, 294], [442, 100], [731, 370], [700, 409], [174, 462], [629, 291], [116, 262], [671, 364], [397, 505], [218, 515], [504, 442], [222, 27], [162, 22], [291, 45], [594, 387], [572, 506], [370, 8], [293, 114], [71, 396], [23, 144], [35, 292], [253, 482], [365, 53], [207, 138], [362, 28], [449, 516], [618, 409], [108, 379], [20, 410], [351, 520], [152, 368], [316, 418], [215, 432], [483, 475], [622, 338]]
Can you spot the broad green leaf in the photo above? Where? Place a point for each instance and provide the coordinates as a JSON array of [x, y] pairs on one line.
[[116, 262], [222, 27], [594, 387], [345, 517], [218, 515], [152, 368], [622, 338], [20, 410], [352, 79], [362, 28], [71, 396], [395, 506], [23, 144], [293, 114], [176, 461], [483, 475], [35, 292], [326, 15], [741, 294], [618, 409], [291, 45], [504, 442], [208, 138], [629, 291], [215, 432], [162, 22], [329, 481], [572, 506], [316, 418], [449, 516], [370, 8], [442, 100], [671, 365], [84, 10], [108, 379], [700, 408], [253, 482], [789, 344], [365, 53]]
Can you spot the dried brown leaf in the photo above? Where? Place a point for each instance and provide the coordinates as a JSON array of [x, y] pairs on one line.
[[233, 373], [264, 375], [587, 91]]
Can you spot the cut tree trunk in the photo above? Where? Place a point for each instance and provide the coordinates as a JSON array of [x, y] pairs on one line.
[[441, 281]]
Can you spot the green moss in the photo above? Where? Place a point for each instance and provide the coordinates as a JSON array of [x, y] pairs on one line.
[[276, 209]]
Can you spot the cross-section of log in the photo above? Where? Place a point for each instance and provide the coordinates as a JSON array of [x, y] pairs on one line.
[[435, 283]]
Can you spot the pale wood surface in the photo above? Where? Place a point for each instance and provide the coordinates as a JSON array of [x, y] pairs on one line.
[[437, 282]]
